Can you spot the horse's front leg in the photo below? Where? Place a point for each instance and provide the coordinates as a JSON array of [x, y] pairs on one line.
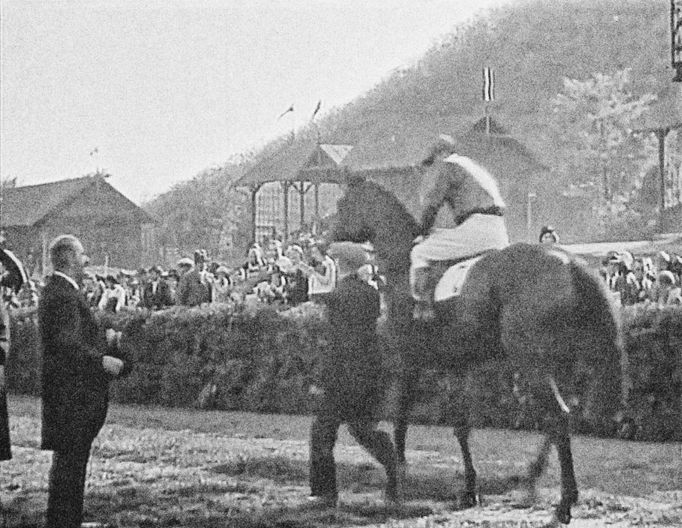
[[407, 385], [462, 429], [469, 498]]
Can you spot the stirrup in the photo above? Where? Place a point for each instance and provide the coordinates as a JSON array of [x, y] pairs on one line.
[[423, 311]]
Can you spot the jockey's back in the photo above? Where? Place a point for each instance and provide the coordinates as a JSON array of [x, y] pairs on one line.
[[464, 185]]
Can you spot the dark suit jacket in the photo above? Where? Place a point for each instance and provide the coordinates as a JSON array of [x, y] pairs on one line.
[[351, 368], [158, 300], [75, 386]]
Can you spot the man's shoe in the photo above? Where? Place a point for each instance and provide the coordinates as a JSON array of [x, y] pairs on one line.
[[322, 502]]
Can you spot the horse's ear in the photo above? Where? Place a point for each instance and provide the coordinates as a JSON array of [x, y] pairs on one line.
[[444, 146]]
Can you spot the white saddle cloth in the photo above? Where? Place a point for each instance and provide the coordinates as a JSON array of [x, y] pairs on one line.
[[452, 281]]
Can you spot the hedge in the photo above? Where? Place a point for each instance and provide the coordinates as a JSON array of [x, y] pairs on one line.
[[262, 359]]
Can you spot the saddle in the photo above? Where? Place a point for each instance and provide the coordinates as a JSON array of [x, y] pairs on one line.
[[450, 275]]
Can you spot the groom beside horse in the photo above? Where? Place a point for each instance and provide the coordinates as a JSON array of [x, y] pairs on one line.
[[531, 306]]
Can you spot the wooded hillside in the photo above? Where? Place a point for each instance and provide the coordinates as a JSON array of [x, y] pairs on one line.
[[533, 47]]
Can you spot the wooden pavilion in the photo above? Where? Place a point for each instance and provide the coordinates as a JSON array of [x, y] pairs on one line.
[[302, 166], [393, 158]]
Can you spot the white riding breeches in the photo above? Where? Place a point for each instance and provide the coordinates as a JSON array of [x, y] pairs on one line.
[[477, 234]]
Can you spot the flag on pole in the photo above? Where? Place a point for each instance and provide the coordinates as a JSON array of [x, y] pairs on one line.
[[290, 109], [317, 109], [488, 84]]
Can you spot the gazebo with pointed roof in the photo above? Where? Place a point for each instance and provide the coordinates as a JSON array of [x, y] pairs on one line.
[[302, 165]]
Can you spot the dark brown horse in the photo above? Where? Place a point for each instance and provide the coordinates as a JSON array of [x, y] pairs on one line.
[[535, 307]]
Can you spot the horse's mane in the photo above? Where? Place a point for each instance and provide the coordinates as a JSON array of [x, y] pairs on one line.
[[390, 203]]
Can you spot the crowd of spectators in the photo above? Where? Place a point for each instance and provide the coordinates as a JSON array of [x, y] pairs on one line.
[[272, 273], [293, 273], [636, 279], [639, 279]]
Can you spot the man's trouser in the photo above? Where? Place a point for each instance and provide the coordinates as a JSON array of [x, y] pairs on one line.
[[66, 488], [323, 438], [477, 234]]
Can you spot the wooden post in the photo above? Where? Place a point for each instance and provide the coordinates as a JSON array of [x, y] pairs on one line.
[[301, 204], [317, 207], [254, 191], [285, 190], [661, 133], [43, 236]]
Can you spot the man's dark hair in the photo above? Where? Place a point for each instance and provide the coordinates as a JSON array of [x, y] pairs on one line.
[[61, 248]]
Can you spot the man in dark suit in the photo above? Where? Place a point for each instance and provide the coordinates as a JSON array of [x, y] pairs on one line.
[[5, 448], [195, 287], [156, 294], [351, 381], [76, 370]]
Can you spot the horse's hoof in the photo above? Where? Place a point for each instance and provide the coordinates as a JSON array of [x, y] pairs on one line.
[[392, 501], [393, 493], [468, 499], [563, 514]]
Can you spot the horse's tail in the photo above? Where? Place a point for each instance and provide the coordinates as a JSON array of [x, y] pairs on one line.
[[602, 343]]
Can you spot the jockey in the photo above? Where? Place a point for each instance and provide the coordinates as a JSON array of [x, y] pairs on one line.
[[475, 227]]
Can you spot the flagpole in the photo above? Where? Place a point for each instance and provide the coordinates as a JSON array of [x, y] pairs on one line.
[[488, 95]]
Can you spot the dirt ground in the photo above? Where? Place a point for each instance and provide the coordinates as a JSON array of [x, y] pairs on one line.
[[155, 467]]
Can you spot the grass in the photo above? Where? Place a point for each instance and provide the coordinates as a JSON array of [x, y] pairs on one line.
[[184, 468]]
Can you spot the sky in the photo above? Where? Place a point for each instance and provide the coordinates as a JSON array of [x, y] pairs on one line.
[[154, 92]]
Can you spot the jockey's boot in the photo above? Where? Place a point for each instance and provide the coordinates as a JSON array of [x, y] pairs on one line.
[[424, 286]]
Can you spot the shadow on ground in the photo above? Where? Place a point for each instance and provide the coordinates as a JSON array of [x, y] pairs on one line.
[[205, 505], [365, 477]]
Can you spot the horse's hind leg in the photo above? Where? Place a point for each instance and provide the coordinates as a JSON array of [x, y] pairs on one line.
[[559, 433], [557, 430], [538, 466]]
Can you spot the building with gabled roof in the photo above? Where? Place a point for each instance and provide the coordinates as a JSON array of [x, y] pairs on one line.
[[114, 231]]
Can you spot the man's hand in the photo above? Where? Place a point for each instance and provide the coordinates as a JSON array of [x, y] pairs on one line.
[[314, 390], [112, 365], [113, 337], [418, 240]]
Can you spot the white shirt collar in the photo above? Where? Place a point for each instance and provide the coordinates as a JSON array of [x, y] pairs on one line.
[[65, 276]]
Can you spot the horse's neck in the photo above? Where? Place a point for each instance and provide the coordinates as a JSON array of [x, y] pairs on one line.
[[393, 244], [394, 258]]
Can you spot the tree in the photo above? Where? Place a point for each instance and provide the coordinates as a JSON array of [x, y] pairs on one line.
[[595, 120], [598, 145], [207, 212]]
